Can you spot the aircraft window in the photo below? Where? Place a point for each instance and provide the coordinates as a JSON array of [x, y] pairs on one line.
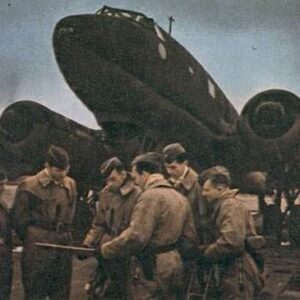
[[211, 89], [102, 11], [162, 51], [81, 134], [134, 16], [191, 70], [139, 18], [127, 15], [159, 33]]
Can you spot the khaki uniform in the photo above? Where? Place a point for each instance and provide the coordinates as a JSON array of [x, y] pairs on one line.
[[44, 212], [114, 212], [189, 187], [5, 253], [238, 274], [113, 217], [161, 217]]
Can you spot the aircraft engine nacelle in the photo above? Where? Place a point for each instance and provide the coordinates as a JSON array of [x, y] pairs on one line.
[[271, 121], [27, 129]]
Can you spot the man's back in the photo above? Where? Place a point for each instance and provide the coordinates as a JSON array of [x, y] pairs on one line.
[[161, 217], [168, 207], [231, 225]]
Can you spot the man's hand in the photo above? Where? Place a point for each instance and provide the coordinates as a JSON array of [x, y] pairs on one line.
[[82, 256], [106, 238]]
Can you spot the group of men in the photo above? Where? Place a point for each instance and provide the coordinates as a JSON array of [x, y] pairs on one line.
[[159, 228]]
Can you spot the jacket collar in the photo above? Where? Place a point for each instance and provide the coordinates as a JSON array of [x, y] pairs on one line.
[[156, 180], [190, 178], [187, 180], [127, 187], [45, 179], [231, 193]]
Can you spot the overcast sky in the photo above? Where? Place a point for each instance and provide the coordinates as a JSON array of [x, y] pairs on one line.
[[246, 45]]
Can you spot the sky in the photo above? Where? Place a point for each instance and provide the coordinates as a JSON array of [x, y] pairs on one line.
[[246, 45]]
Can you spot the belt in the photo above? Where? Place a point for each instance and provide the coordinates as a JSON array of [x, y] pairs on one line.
[[147, 258], [165, 248]]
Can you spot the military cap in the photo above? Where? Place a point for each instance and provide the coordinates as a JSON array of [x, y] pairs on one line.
[[213, 171], [172, 151], [57, 157], [109, 165], [153, 158]]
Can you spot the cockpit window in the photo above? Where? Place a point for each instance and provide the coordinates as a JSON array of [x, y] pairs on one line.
[[126, 14]]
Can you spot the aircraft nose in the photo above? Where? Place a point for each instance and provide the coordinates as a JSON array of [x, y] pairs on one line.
[[66, 26], [74, 29]]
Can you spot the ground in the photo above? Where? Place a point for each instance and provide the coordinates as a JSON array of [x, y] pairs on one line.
[[81, 273]]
